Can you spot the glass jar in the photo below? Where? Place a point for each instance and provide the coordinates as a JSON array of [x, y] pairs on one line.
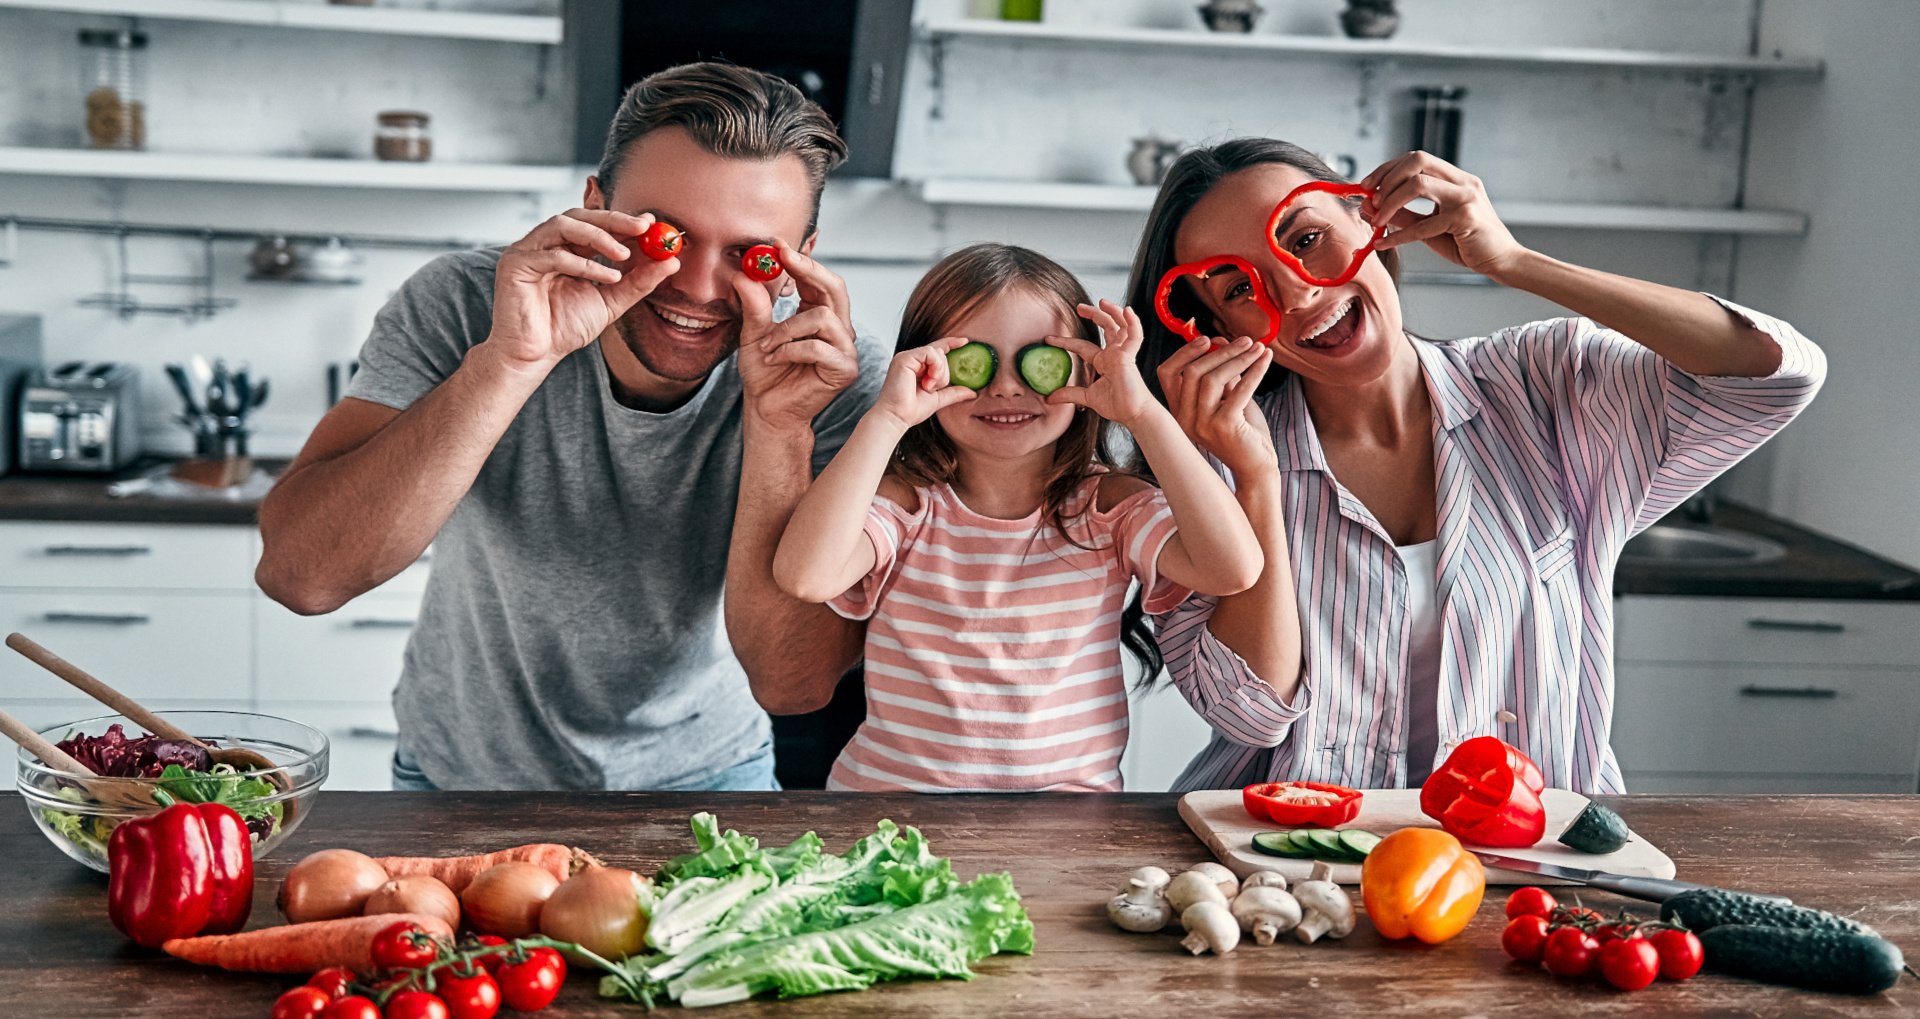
[[113, 72], [403, 136]]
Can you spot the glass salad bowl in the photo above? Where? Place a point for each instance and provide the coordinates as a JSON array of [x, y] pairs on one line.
[[78, 815]]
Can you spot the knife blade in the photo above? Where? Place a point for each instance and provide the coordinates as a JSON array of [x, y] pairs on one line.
[[1650, 889]]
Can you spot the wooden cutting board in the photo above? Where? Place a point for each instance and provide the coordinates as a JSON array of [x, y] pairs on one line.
[[1219, 817]]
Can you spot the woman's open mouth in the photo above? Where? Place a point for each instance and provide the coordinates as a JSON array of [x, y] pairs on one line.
[[1007, 419], [1338, 333]]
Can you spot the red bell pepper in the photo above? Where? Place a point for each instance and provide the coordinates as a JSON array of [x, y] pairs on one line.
[[1301, 804], [1300, 270], [1202, 269], [184, 871], [1487, 793]]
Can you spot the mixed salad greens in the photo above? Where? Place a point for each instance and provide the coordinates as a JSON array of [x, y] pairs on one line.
[[184, 770], [732, 920]]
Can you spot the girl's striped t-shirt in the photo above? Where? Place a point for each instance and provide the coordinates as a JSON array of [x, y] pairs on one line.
[[993, 646]]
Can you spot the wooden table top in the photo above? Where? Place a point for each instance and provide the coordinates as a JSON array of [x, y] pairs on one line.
[[1856, 855]]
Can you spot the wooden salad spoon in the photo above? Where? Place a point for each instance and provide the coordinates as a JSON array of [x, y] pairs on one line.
[[110, 791]]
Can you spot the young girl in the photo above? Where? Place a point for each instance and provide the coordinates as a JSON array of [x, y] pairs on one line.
[[989, 546]]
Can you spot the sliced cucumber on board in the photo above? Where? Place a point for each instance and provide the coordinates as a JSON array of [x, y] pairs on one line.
[[1359, 843], [1277, 843], [1349, 846]]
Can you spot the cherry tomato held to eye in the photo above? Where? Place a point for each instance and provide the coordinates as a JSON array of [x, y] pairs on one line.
[[662, 241], [1531, 901], [1525, 938], [532, 985], [470, 997], [1570, 952], [1680, 953], [761, 263], [352, 1007], [1629, 963], [333, 980], [301, 1003], [403, 945]]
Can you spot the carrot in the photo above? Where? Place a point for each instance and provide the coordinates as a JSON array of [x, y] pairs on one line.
[[300, 947], [456, 871]]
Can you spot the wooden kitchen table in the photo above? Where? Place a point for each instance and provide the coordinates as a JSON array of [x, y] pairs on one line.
[[1856, 855]]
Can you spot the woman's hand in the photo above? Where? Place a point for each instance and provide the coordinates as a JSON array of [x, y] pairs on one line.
[[1110, 382], [1462, 228], [918, 385], [1210, 392]]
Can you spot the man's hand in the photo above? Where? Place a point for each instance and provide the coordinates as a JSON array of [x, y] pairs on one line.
[[550, 297], [790, 371]]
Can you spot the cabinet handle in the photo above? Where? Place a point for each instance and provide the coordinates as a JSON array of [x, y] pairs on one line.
[[381, 624], [372, 732], [120, 551], [1812, 693], [1799, 625], [110, 618]]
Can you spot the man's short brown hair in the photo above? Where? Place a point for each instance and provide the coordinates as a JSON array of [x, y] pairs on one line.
[[732, 111]]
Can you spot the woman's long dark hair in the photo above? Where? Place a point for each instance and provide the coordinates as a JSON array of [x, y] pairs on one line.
[[1188, 180], [951, 290]]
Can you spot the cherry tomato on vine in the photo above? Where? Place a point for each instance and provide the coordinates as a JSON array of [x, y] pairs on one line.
[[1608, 933], [301, 1003], [403, 945], [1575, 914], [333, 980], [1570, 952], [1629, 963], [1525, 938], [662, 241], [761, 263], [492, 962], [531, 985], [1531, 902], [416, 1005], [470, 997], [353, 1006], [1680, 953]]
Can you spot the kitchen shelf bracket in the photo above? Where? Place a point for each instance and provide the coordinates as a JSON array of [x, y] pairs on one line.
[[123, 302]]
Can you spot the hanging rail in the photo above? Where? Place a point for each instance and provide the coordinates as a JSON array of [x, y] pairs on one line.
[[10, 222]]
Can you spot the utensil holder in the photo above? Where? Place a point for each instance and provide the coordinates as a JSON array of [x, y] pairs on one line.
[[224, 472]]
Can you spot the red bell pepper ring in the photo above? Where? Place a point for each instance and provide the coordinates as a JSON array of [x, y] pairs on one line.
[[1264, 801], [1202, 269], [1299, 269], [184, 871], [1487, 793]]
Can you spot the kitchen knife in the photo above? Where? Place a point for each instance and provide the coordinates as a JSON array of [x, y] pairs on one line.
[[185, 387], [1651, 889]]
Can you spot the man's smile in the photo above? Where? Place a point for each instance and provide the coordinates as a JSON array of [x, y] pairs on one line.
[[683, 322]]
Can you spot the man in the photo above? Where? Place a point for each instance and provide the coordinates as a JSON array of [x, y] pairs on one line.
[[567, 420]]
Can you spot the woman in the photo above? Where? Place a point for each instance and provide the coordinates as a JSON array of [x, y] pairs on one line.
[[1451, 512]]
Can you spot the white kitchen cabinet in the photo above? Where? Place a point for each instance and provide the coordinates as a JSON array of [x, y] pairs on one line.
[[360, 738], [352, 654], [150, 645], [1767, 695], [93, 555]]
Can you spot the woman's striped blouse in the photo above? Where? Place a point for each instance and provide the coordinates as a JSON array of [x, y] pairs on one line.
[[1554, 443]]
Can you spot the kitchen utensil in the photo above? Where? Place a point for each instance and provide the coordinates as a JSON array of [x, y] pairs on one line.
[[119, 793], [1220, 819], [1650, 889], [240, 758], [184, 386], [259, 393]]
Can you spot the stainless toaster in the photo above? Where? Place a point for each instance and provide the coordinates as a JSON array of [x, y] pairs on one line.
[[81, 416]]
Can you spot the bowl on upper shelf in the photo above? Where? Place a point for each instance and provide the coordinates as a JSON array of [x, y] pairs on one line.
[[1369, 19], [1231, 15], [80, 823]]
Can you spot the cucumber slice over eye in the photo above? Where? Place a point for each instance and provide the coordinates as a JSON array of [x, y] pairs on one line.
[[1044, 366], [972, 366]]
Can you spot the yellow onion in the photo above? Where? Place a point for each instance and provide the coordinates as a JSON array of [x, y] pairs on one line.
[[416, 893], [330, 884], [505, 899], [599, 910]]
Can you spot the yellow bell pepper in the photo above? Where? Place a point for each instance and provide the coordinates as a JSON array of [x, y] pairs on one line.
[[1420, 882]]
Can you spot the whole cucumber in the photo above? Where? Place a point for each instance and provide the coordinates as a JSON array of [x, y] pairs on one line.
[[1820, 960], [1703, 909]]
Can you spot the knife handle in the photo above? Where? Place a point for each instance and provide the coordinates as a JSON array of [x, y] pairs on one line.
[[1653, 889]]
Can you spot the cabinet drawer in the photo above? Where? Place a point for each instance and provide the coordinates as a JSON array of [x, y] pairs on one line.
[[192, 556], [1767, 720], [150, 646], [360, 739], [352, 654], [1768, 630]]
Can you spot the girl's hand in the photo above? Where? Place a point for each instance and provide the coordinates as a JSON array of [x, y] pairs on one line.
[[1210, 392], [1462, 228], [917, 384], [1111, 385]]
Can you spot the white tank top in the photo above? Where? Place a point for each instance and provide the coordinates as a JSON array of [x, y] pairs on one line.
[[1423, 659]]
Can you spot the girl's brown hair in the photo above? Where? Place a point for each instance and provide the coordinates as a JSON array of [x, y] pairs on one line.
[[954, 288]]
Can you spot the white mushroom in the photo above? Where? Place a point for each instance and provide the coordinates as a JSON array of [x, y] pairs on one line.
[[1191, 887], [1143, 905], [1328, 909], [1266, 912], [1229, 885], [1209, 926], [1264, 879]]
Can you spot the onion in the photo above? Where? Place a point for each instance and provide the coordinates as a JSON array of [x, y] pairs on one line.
[[505, 899], [330, 884], [416, 893], [599, 910]]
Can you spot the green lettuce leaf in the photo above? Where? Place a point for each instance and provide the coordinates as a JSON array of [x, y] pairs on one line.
[[224, 784], [718, 854]]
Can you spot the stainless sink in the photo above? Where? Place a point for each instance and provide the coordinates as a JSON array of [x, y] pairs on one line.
[[1666, 545]]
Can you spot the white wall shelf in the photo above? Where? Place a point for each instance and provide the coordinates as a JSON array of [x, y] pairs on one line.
[[1126, 198], [1369, 49], [225, 169], [320, 16]]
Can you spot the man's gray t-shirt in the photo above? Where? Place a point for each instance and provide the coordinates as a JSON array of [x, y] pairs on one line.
[[571, 634]]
